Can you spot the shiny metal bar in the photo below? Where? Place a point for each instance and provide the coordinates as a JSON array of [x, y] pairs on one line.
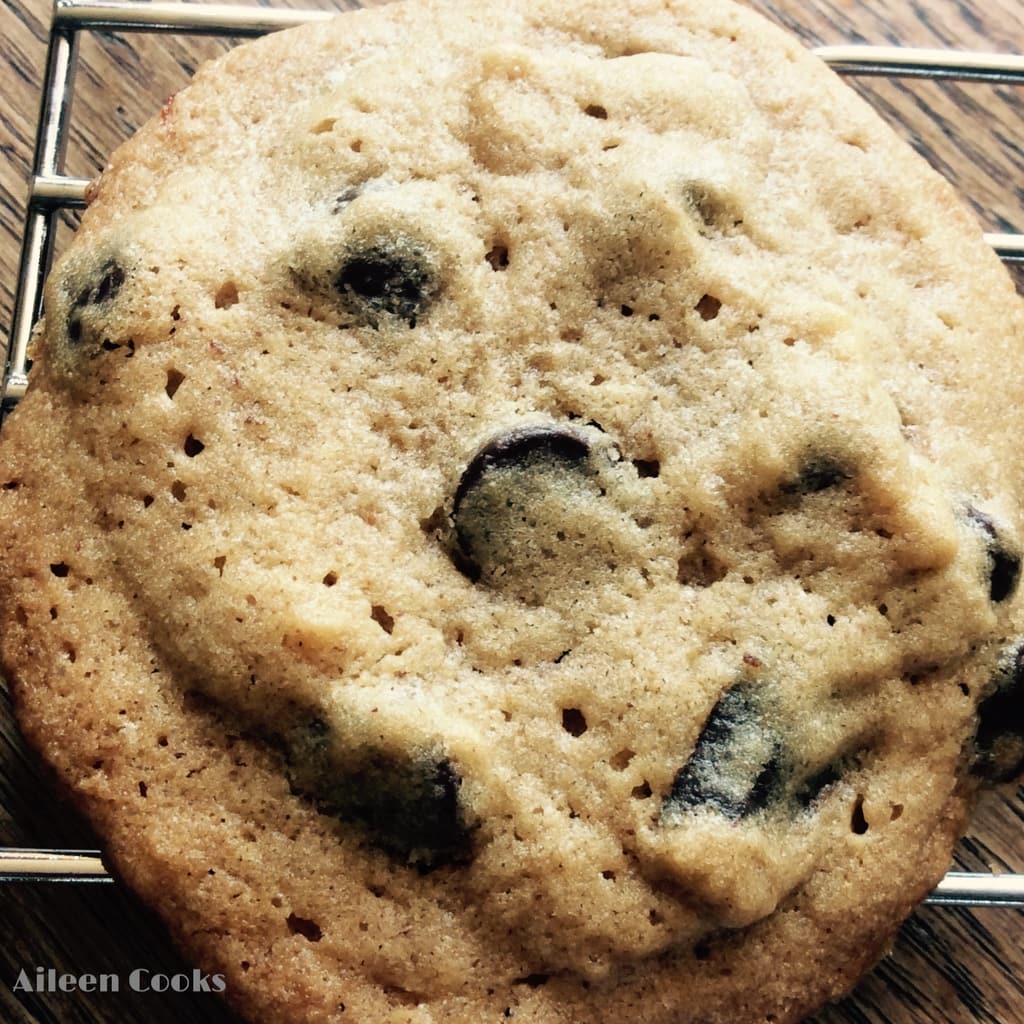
[[909, 62], [37, 242], [52, 866], [957, 889], [964, 889], [1009, 248], [189, 19], [53, 190]]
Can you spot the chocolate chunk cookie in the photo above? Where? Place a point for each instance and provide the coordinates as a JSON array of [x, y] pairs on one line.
[[506, 520]]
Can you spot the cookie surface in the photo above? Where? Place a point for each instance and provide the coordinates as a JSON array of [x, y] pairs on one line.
[[539, 539]]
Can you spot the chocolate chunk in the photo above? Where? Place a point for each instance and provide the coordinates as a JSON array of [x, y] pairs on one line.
[[478, 516], [736, 768], [999, 740], [410, 808], [1003, 561], [406, 803], [387, 280], [111, 279], [818, 474], [541, 514], [518, 448], [110, 284], [497, 491]]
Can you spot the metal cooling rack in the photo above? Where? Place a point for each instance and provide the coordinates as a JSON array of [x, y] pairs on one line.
[[50, 191]]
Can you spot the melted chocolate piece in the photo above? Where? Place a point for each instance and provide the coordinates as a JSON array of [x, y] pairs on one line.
[[111, 279], [407, 803], [519, 447], [409, 808], [818, 474], [387, 280], [736, 768], [110, 284], [999, 740], [1003, 562], [517, 451]]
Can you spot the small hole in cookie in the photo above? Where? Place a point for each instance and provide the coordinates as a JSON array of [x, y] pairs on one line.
[[380, 615], [620, 761], [497, 256], [596, 110], [896, 812], [219, 562], [193, 446], [227, 295], [647, 468], [330, 579], [608, 876], [178, 491], [143, 790], [626, 310], [175, 379], [303, 926], [147, 500], [858, 823], [573, 721], [643, 791], [708, 307], [60, 569]]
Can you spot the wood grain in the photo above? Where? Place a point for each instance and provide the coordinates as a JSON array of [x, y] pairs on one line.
[[949, 966]]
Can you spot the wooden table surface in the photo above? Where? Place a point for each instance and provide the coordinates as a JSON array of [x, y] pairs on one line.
[[950, 966]]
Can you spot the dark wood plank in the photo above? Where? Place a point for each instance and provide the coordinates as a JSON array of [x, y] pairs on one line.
[[949, 966]]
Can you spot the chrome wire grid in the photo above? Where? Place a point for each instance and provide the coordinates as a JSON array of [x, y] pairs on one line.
[[50, 191]]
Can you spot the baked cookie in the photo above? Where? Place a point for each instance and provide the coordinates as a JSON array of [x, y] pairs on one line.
[[508, 519]]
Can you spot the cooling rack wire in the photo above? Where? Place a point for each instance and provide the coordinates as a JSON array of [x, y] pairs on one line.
[[50, 191]]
